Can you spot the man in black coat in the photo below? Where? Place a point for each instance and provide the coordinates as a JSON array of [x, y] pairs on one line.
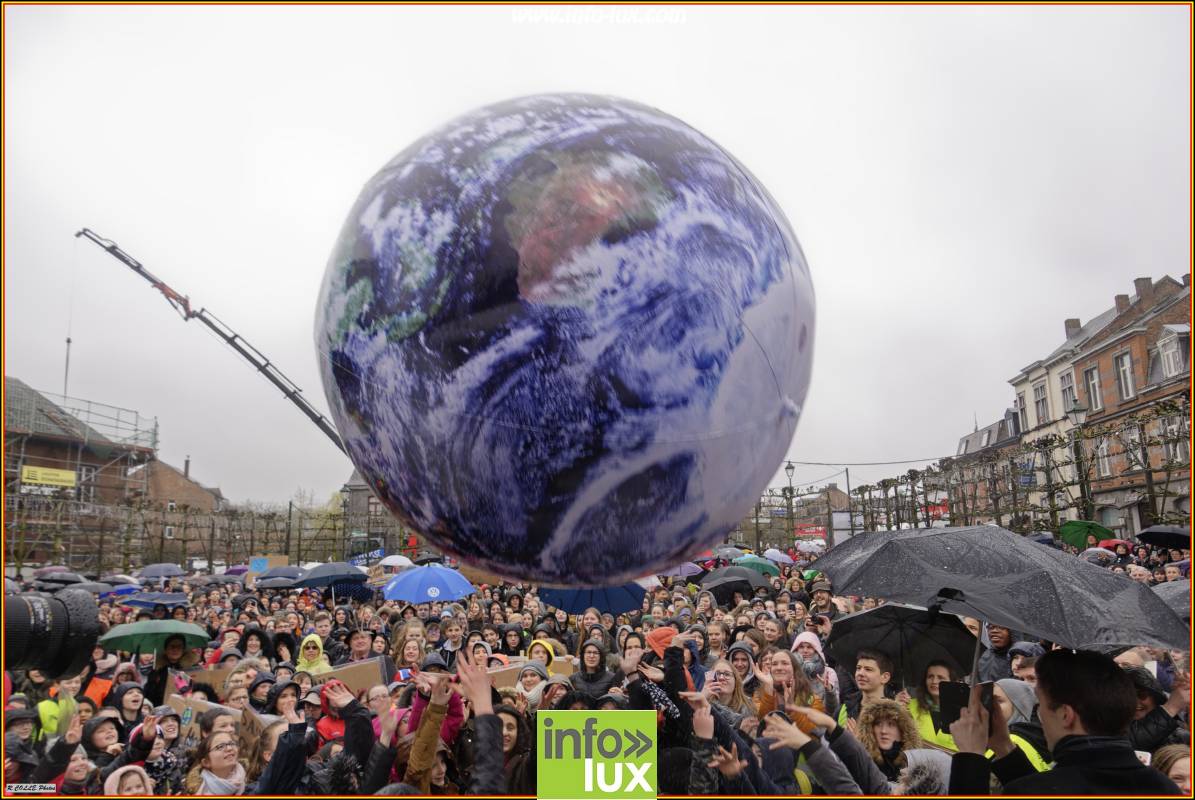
[[1085, 702]]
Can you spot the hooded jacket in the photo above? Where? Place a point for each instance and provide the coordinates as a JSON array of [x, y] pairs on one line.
[[597, 683], [112, 783], [890, 762], [258, 680], [267, 643], [317, 666], [519, 765], [116, 700]]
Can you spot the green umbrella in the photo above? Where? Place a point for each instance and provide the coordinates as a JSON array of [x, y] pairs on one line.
[[1076, 531], [149, 636], [760, 565]]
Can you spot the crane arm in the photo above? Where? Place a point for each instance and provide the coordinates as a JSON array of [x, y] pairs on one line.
[[182, 304]]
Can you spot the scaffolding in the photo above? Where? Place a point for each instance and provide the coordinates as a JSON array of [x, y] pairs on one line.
[[105, 448]]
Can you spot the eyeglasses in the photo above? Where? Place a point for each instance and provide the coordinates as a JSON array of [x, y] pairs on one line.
[[227, 747], [723, 675]]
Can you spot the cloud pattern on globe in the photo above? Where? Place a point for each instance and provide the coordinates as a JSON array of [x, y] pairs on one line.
[[567, 338]]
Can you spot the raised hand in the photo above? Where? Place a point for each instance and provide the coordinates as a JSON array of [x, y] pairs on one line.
[[786, 734], [629, 664], [441, 691], [728, 763], [475, 683], [970, 730], [903, 697], [820, 719], [697, 700], [291, 714], [74, 730], [389, 724], [653, 674], [338, 695], [703, 722]]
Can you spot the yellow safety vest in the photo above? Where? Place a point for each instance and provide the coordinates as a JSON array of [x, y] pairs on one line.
[[925, 726]]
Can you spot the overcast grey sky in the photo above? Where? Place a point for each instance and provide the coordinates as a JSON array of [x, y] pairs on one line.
[[961, 180]]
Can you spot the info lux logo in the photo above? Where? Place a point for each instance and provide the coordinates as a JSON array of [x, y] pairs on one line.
[[609, 754]]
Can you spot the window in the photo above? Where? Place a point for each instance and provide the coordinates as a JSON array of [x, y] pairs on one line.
[[987, 438], [1123, 366], [1067, 383], [962, 447], [1041, 404], [86, 490], [168, 532], [1172, 356], [1103, 465], [171, 505], [1175, 439], [1021, 412], [1095, 401], [1132, 447]]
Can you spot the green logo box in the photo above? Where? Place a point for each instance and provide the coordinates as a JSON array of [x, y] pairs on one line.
[[608, 754]]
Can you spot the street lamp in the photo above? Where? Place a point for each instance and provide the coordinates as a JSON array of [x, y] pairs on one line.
[[789, 469], [1077, 414]]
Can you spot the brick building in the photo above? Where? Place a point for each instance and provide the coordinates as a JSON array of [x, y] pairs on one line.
[[1139, 360]]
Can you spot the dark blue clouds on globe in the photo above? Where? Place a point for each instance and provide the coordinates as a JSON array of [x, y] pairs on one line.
[[567, 338]]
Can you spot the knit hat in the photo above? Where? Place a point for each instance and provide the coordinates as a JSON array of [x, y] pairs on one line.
[[433, 661], [1028, 649], [536, 667]]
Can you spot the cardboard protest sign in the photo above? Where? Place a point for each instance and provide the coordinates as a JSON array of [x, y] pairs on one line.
[[504, 677], [214, 677], [189, 709], [259, 564], [562, 665], [359, 677]]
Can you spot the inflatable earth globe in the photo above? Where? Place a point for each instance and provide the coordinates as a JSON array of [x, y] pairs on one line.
[[567, 338]]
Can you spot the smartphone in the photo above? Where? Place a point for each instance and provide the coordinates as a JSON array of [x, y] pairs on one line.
[[954, 696], [405, 674]]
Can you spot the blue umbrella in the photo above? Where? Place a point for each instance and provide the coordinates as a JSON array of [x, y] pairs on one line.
[[153, 599], [120, 591], [685, 569], [155, 571], [611, 599], [433, 583]]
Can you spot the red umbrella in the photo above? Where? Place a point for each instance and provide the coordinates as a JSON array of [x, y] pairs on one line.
[[1111, 543]]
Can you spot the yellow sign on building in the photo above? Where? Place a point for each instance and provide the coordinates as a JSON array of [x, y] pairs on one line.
[[48, 477]]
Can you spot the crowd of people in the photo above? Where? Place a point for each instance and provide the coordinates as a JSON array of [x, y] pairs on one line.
[[748, 699]]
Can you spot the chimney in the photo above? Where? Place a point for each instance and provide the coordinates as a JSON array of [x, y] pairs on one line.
[[1072, 328], [1144, 287], [187, 468], [1122, 303], [831, 487]]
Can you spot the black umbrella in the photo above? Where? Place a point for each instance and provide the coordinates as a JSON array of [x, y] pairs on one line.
[[429, 558], [911, 636], [118, 579], [165, 570], [224, 580], [281, 572], [274, 583], [328, 574], [1177, 595], [91, 586], [986, 572], [728, 552], [724, 582], [62, 577], [1168, 536]]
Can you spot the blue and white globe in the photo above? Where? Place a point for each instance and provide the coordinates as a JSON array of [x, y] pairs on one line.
[[567, 338]]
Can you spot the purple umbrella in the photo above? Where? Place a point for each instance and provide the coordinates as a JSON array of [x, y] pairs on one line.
[[239, 569], [684, 569]]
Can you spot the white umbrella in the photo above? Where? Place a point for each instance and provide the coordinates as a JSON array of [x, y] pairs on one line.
[[772, 554], [810, 547], [649, 582], [396, 561]]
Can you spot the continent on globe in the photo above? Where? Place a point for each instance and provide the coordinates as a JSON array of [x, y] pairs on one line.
[[567, 338]]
